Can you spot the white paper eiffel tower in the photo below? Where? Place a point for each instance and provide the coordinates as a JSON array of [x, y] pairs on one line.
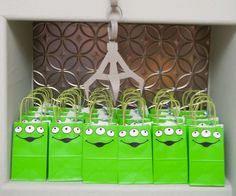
[[113, 59]]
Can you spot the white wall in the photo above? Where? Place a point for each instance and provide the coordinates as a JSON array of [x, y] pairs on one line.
[[157, 11], [223, 89]]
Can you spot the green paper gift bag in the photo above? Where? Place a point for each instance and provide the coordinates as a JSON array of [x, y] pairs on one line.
[[206, 153], [100, 154], [170, 161], [65, 143], [100, 147], [65, 152], [135, 150], [29, 149]]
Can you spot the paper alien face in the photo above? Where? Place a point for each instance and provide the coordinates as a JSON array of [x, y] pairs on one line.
[[99, 141], [29, 132], [133, 137], [169, 136], [135, 141], [99, 136], [65, 133], [205, 137]]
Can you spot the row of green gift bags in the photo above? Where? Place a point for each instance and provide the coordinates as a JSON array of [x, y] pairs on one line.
[[206, 148], [135, 146], [65, 138], [29, 144], [170, 161], [100, 163]]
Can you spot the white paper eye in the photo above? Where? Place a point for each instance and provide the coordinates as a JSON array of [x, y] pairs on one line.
[[133, 132], [206, 133], [58, 121], [24, 121], [179, 131], [66, 129], [122, 133], [55, 129], [169, 131], [216, 135], [18, 129], [35, 121], [158, 133], [100, 131], [110, 133], [202, 125], [77, 130], [89, 131], [40, 129], [29, 129], [195, 134], [144, 133]]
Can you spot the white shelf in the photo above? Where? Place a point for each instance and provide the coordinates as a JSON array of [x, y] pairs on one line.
[[78, 189]]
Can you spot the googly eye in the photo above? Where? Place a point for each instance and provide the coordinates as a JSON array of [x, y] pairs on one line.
[[58, 121], [24, 121], [158, 133], [179, 131], [100, 131], [206, 133], [89, 131], [55, 129], [66, 129], [195, 134], [77, 130], [40, 129], [202, 125], [144, 133], [122, 133], [216, 135], [169, 131], [133, 132], [29, 129], [18, 129], [110, 133]]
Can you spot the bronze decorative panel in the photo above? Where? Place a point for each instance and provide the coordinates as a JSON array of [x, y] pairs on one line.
[[67, 54]]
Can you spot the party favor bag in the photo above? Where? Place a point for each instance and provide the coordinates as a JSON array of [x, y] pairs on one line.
[[206, 154], [29, 149], [170, 161], [135, 151], [65, 146], [100, 149]]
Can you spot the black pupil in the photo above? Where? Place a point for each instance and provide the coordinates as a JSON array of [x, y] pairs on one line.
[[29, 127]]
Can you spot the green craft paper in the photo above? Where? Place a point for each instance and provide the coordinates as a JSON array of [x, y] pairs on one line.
[[170, 163], [135, 154], [100, 150], [65, 152], [206, 155], [29, 151]]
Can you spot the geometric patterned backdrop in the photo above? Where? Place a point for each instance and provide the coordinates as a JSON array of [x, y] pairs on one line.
[[67, 54]]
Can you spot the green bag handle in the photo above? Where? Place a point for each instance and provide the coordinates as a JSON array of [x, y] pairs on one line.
[[130, 92], [45, 99], [77, 91], [73, 95], [210, 107], [96, 101], [138, 99], [25, 99], [162, 94], [198, 98], [46, 90], [189, 95], [174, 103], [61, 101]]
